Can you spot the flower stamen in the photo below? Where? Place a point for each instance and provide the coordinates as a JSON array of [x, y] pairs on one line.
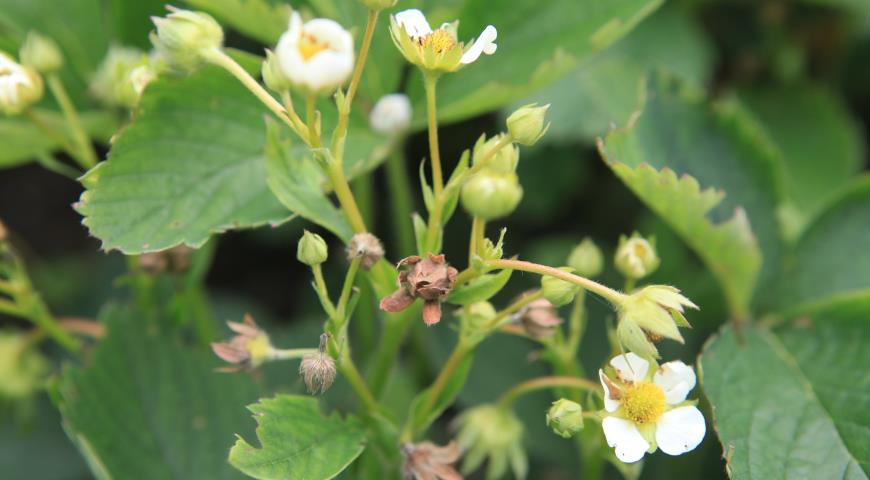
[[440, 40], [309, 46], [644, 402]]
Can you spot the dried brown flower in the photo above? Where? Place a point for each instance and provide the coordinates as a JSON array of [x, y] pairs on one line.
[[367, 248], [430, 279], [246, 350], [427, 461], [540, 319], [318, 369]]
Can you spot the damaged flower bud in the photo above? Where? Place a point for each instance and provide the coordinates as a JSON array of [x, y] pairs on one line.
[[247, 350], [540, 319], [367, 248], [427, 461], [430, 279], [318, 369]]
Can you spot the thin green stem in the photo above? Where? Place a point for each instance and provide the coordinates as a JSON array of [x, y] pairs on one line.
[[397, 326], [514, 307], [311, 119], [478, 232], [447, 371], [87, 156], [48, 161], [345, 197], [613, 296], [10, 308], [431, 82], [52, 133], [629, 284], [218, 58], [322, 290], [401, 202], [575, 322], [345, 291], [351, 373], [291, 353], [465, 276], [339, 135], [542, 383]]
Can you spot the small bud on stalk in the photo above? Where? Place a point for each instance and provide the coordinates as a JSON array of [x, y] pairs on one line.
[[540, 319], [565, 418], [505, 160], [430, 279], [113, 84], [526, 125], [186, 37], [490, 195], [558, 291], [367, 248], [248, 349], [586, 259], [318, 369], [391, 115], [20, 86], [41, 53], [636, 257], [311, 249]]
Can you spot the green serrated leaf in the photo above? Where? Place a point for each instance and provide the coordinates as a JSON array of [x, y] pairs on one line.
[[538, 43], [191, 164], [480, 288], [297, 180], [830, 264], [297, 441], [805, 413], [698, 145], [150, 408], [261, 20]]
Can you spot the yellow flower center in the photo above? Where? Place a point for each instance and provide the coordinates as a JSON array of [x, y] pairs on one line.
[[440, 40], [309, 46], [643, 402]]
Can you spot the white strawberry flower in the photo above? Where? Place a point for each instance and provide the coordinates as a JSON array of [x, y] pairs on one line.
[[648, 409], [437, 50], [20, 86], [317, 56]]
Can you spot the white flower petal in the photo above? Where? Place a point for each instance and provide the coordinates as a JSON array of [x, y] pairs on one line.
[[414, 23], [630, 367], [680, 430], [294, 27], [483, 44], [328, 70], [677, 379], [630, 446], [610, 404], [331, 33], [391, 114]]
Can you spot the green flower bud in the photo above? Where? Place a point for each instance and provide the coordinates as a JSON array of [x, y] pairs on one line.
[[490, 195], [526, 125], [503, 161], [495, 433], [23, 369], [636, 257], [474, 319], [558, 291], [184, 37], [113, 84], [586, 259], [41, 53], [311, 249], [20, 86], [650, 314], [273, 76], [565, 418], [378, 4]]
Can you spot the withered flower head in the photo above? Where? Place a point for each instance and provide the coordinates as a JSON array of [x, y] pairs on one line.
[[367, 248], [247, 350], [427, 461], [430, 279], [175, 260], [540, 319], [318, 369]]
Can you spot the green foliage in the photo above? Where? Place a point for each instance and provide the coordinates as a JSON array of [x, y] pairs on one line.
[[480, 288], [717, 147], [191, 164], [607, 89], [259, 19], [820, 141], [22, 140], [804, 413], [538, 43], [297, 441], [148, 407], [424, 410], [829, 264]]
